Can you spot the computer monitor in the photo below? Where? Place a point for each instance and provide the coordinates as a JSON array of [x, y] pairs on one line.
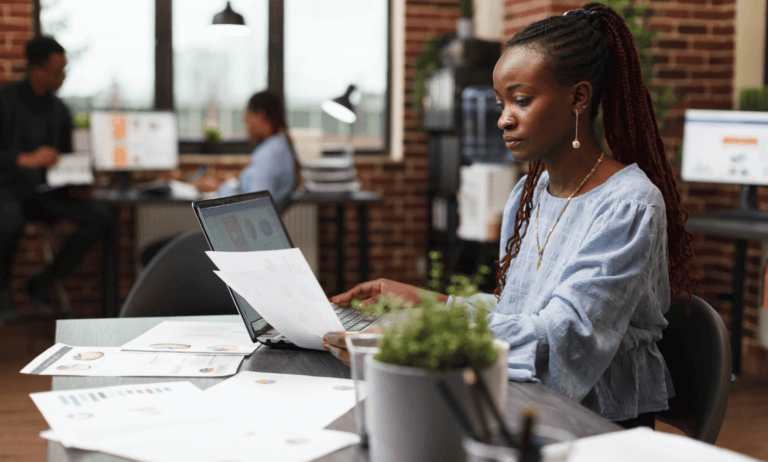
[[727, 147], [127, 141]]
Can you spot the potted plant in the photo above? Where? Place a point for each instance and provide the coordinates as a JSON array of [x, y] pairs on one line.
[[212, 140], [430, 347], [81, 123]]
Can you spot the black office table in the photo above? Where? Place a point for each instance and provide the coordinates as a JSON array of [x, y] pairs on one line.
[[114, 199], [741, 230], [555, 410]]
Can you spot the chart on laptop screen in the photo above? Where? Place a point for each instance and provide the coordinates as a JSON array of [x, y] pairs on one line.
[[252, 225], [725, 147]]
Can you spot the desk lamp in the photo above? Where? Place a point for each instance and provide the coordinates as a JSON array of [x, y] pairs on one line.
[[341, 108], [228, 23]]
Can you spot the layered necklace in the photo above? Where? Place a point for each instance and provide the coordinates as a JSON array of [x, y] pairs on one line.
[[540, 248]]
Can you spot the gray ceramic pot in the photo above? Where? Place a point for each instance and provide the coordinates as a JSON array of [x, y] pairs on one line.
[[407, 418]]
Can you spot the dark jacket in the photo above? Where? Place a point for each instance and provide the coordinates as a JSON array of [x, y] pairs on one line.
[[28, 121]]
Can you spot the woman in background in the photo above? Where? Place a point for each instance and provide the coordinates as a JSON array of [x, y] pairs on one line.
[[593, 246], [273, 164], [273, 167]]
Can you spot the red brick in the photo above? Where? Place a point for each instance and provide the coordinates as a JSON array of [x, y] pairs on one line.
[[672, 44], [718, 60], [690, 60], [712, 45], [712, 74], [714, 15], [692, 29], [723, 30]]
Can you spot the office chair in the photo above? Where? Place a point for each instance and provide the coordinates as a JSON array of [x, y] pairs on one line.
[[697, 351], [179, 281]]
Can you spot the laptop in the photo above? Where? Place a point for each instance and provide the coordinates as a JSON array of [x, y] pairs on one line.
[[248, 222]]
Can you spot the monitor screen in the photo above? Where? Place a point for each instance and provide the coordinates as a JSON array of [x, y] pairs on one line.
[[725, 147], [134, 140]]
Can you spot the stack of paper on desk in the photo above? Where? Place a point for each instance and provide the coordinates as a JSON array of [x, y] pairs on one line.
[[170, 349], [62, 359], [251, 416], [640, 445], [218, 338], [280, 285]]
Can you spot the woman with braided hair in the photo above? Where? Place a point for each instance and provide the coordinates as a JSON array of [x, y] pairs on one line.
[[593, 246]]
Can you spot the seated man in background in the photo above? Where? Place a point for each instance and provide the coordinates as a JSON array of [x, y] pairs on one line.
[[35, 128]]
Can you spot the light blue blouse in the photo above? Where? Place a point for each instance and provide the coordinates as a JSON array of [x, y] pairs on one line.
[[271, 168], [587, 322]]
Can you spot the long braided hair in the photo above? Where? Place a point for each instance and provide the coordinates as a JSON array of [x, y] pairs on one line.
[[594, 44], [274, 109]]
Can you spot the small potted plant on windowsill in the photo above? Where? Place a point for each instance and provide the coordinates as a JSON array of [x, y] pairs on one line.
[[407, 417]]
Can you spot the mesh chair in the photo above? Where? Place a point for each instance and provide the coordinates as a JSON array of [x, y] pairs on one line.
[[697, 351], [179, 281]]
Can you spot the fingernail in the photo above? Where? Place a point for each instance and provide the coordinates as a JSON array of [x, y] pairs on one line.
[[325, 345]]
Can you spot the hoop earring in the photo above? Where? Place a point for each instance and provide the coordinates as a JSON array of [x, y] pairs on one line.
[[576, 143]]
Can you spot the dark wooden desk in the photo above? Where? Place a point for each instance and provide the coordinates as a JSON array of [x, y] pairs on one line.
[[114, 199], [741, 230], [554, 409]]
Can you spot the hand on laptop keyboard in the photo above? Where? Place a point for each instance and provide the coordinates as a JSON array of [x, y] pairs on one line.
[[336, 342]]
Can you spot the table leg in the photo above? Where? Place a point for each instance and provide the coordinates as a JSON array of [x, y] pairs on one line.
[[362, 216], [339, 248], [737, 302], [109, 269]]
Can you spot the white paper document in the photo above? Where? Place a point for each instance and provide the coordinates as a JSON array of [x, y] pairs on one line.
[[284, 401], [62, 359], [218, 338], [642, 445], [89, 418], [283, 446], [280, 285], [71, 169]]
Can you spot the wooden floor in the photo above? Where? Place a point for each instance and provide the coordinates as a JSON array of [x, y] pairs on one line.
[[745, 429]]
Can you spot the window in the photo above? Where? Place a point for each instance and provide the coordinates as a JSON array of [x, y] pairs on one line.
[[213, 77], [117, 51], [110, 51], [328, 46]]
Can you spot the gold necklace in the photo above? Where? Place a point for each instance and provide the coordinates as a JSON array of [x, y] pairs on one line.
[[538, 201]]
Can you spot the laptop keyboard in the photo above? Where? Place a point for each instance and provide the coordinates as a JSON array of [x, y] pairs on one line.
[[353, 320]]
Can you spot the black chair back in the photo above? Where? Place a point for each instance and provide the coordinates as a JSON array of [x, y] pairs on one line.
[[179, 281], [697, 351]]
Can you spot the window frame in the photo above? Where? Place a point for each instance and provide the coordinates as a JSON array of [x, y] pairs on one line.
[[163, 90]]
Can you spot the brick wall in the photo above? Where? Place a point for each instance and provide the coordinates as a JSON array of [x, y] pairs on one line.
[[15, 30]]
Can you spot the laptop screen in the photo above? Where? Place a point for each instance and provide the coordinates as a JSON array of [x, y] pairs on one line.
[[240, 224]]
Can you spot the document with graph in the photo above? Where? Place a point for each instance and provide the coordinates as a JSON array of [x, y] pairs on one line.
[[62, 359]]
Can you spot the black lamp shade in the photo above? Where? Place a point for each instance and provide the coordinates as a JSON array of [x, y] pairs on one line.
[[341, 108], [228, 17]]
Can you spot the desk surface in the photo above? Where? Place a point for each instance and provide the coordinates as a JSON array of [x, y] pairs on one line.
[[114, 196], [715, 225], [554, 409]]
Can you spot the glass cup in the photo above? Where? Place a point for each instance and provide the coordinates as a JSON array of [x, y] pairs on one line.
[[360, 346]]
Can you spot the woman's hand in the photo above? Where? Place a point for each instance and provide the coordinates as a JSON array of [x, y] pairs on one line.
[[210, 182], [336, 342], [369, 292]]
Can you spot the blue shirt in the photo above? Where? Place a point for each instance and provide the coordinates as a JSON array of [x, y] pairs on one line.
[[271, 168], [587, 322]]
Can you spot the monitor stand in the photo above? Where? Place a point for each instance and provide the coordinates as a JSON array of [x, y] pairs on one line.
[[124, 181], [747, 209]]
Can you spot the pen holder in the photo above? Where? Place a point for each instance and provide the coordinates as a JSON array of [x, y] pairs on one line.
[[407, 418], [548, 444]]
